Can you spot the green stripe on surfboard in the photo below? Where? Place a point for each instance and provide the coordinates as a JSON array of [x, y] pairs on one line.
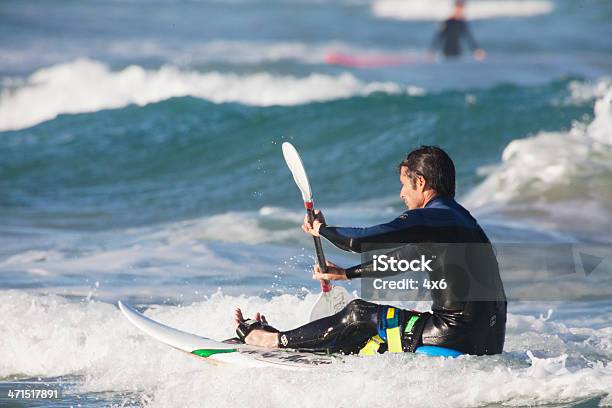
[[210, 352]]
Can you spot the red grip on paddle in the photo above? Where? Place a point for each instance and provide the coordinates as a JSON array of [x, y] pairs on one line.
[[325, 286]]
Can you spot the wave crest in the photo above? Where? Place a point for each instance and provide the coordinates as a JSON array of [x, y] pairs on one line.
[[88, 86], [552, 174], [429, 10]]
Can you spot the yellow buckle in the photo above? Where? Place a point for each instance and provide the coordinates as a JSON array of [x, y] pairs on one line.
[[372, 346]]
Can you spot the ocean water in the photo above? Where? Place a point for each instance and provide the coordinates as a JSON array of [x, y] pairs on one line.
[[140, 160]]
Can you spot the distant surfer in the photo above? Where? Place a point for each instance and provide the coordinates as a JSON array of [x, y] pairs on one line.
[[467, 325], [452, 31]]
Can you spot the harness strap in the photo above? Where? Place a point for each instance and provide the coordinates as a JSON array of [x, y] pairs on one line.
[[388, 332], [394, 338], [413, 331], [372, 346]]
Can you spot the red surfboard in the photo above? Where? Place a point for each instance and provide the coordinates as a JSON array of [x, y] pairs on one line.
[[370, 61]]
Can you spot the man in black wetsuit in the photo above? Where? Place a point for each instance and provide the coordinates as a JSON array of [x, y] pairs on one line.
[[472, 325], [448, 38]]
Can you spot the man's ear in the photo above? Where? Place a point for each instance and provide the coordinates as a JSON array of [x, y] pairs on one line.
[[421, 182]]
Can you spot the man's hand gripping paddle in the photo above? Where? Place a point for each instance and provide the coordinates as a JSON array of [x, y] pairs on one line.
[[332, 298]]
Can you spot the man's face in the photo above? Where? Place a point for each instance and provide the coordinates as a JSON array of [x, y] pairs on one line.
[[411, 196]]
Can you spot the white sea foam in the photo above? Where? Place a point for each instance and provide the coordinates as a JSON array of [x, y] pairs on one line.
[[52, 336], [441, 9], [265, 247], [581, 91], [228, 246], [88, 86], [553, 173]]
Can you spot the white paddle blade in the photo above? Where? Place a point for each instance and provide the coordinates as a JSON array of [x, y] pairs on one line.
[[330, 303], [294, 162]]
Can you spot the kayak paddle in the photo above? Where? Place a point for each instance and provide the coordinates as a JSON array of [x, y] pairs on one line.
[[332, 298]]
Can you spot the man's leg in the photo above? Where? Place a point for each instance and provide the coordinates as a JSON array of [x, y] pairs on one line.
[[346, 331], [349, 330]]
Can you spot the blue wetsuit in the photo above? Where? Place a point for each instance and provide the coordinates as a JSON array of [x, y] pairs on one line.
[[449, 37], [464, 319]]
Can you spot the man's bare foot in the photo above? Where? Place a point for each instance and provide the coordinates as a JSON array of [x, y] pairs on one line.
[[257, 337]]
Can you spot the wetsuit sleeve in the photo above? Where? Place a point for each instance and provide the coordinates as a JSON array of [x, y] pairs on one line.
[[407, 228], [357, 271], [351, 239], [469, 37]]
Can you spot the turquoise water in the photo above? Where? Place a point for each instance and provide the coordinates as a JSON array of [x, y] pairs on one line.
[[184, 157], [140, 160]]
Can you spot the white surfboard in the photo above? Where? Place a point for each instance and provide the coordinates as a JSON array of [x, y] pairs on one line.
[[222, 352]]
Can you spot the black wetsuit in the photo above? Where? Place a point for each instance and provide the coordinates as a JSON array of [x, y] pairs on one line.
[[463, 324], [449, 37]]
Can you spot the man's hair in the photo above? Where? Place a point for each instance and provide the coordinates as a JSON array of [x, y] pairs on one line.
[[434, 165]]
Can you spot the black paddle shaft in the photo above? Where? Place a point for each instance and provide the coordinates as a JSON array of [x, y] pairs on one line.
[[317, 243]]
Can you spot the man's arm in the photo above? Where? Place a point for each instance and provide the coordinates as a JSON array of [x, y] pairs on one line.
[[349, 238], [413, 226], [478, 52], [469, 37], [334, 272], [401, 230]]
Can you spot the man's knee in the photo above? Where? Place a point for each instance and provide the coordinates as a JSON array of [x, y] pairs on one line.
[[358, 311]]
